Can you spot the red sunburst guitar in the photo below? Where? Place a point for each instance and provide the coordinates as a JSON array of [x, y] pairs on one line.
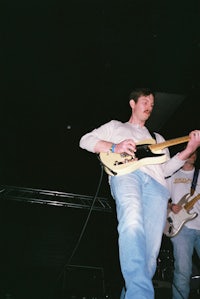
[[148, 152], [174, 221]]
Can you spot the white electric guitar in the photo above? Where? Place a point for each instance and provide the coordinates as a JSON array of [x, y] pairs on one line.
[[174, 221], [147, 152]]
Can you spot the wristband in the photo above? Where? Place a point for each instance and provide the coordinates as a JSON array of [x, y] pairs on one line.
[[112, 149]]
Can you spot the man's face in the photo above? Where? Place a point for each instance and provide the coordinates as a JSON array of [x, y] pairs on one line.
[[144, 107]]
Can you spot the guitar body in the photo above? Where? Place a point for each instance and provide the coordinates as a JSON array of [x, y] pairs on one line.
[[118, 164], [147, 152], [174, 221]]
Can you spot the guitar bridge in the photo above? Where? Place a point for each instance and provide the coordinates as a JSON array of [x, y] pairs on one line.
[[126, 159]]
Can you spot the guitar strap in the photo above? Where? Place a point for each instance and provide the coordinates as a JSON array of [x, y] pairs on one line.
[[194, 181], [153, 135]]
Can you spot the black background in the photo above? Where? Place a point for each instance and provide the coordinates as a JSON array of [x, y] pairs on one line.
[[67, 67]]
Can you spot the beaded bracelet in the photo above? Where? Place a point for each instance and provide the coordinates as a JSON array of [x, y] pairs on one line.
[[112, 149]]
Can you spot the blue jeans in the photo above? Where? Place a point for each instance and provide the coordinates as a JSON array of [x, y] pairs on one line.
[[184, 244], [141, 205]]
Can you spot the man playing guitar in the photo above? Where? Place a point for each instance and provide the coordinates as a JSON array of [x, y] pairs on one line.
[[184, 185]]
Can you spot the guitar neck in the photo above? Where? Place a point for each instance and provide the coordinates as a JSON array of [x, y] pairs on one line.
[[162, 145], [190, 203]]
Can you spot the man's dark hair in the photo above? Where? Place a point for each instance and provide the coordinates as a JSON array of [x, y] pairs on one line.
[[137, 92]]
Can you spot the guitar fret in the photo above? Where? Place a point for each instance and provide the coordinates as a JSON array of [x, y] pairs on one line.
[[190, 203], [162, 145]]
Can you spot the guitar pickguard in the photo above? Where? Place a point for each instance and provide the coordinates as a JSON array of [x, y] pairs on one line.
[[118, 164]]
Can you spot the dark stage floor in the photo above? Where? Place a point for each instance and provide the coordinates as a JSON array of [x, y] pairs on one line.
[[160, 293], [38, 240], [82, 283]]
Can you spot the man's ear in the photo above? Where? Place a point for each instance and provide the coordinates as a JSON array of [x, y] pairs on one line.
[[132, 103]]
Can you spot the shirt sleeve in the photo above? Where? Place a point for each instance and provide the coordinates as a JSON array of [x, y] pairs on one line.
[[172, 164], [104, 132]]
